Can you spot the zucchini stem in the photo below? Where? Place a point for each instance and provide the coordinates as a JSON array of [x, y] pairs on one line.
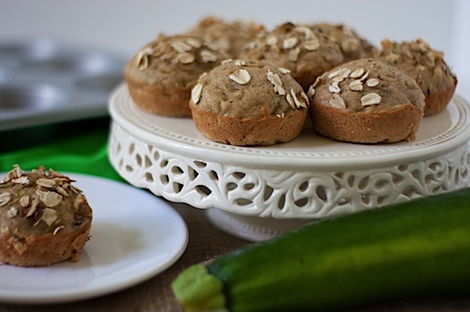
[[199, 291]]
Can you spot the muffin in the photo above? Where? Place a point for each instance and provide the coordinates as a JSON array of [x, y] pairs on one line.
[[226, 37], [306, 53], [366, 101], [353, 46], [248, 103], [160, 76], [44, 219], [425, 65]]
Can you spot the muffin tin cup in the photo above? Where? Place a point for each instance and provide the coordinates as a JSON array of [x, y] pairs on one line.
[[44, 81]]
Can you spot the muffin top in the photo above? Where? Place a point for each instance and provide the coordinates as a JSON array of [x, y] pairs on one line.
[[365, 85], [171, 62], [418, 60], [248, 89], [226, 37], [305, 52], [352, 44], [40, 202]]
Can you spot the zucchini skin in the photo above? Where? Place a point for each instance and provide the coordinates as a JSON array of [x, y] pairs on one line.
[[412, 249]]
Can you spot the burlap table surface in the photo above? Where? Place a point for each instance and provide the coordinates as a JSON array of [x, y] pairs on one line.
[[206, 241], [82, 146]]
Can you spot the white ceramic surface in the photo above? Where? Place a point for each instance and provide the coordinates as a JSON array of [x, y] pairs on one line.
[[134, 236], [310, 177], [437, 134]]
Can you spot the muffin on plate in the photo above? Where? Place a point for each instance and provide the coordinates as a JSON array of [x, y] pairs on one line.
[[248, 103], [44, 219], [305, 52], [160, 76], [425, 65], [353, 45], [366, 101], [227, 37]]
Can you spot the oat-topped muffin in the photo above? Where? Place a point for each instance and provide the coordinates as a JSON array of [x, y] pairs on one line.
[[427, 66], [352, 44], [306, 53], [160, 76], [44, 219], [249, 103], [366, 101], [228, 37]]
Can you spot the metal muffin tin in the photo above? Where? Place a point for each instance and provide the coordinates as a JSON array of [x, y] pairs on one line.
[[44, 81]]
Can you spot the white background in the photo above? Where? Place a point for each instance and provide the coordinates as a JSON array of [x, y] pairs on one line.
[[124, 26]]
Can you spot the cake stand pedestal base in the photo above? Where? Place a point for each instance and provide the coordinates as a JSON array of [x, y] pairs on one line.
[[252, 228]]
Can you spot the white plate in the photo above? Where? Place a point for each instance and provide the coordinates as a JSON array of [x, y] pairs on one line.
[[135, 236]]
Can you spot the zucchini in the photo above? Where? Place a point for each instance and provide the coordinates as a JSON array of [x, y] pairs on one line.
[[417, 248]]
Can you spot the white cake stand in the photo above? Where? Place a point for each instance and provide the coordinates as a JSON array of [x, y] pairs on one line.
[[260, 192]]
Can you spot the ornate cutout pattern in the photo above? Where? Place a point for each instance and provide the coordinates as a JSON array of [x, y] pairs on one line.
[[281, 194]]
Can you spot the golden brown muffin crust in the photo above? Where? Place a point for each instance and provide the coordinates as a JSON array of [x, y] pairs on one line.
[[426, 66], [228, 37], [160, 76], [359, 85], [353, 45], [171, 62], [249, 103], [305, 52], [44, 219], [393, 125], [366, 101]]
